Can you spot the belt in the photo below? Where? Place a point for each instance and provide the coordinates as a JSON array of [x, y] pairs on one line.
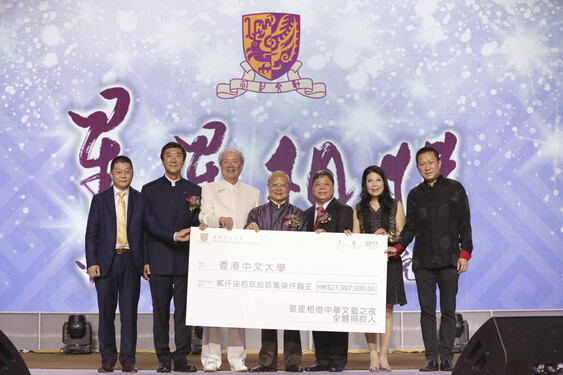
[[122, 251]]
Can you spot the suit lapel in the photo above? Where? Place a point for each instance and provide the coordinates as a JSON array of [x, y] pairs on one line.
[[331, 209], [311, 219], [332, 206], [130, 205], [110, 207]]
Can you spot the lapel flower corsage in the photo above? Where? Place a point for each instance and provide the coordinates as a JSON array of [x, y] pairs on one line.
[[291, 221], [324, 217], [194, 202], [392, 238]]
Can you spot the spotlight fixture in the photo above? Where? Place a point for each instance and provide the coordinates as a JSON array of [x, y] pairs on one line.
[[461, 333], [77, 335]]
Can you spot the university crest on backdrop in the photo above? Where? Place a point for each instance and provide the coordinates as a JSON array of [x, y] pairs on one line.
[[271, 48]]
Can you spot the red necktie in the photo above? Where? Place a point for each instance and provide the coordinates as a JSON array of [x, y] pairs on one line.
[[320, 212]]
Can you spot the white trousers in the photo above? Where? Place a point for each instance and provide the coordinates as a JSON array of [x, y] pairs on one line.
[[211, 346]]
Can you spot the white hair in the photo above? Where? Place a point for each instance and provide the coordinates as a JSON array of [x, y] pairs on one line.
[[278, 172], [232, 149]]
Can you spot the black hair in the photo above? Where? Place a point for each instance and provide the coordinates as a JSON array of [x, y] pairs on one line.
[[172, 145], [322, 172], [120, 159], [385, 199], [427, 149]]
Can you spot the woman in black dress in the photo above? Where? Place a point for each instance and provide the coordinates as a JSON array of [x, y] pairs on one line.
[[378, 213]]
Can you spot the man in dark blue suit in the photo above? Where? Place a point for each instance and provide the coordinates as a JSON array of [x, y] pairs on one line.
[[328, 215], [175, 202], [115, 258]]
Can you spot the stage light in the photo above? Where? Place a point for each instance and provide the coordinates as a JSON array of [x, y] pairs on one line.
[[77, 335], [461, 333]]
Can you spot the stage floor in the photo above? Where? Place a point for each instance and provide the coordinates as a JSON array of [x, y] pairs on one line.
[[86, 364], [153, 372]]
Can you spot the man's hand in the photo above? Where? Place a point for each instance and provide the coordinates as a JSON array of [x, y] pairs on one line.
[[253, 226], [347, 232], [381, 231], [202, 226], [320, 230], [462, 265], [183, 235], [94, 271], [226, 222], [391, 252], [147, 272]]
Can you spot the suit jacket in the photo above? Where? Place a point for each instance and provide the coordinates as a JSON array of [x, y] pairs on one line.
[[341, 217], [101, 230], [171, 208]]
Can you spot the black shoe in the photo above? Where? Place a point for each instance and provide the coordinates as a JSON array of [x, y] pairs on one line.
[[294, 368], [184, 366], [430, 366], [262, 368], [316, 367], [163, 367], [336, 369], [446, 365]]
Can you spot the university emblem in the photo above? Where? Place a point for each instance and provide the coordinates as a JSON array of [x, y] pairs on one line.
[[271, 47], [203, 237]]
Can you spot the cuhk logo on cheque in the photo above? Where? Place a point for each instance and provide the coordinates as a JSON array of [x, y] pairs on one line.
[[271, 47], [203, 237]]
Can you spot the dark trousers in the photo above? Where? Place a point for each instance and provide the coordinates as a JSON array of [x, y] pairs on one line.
[[292, 352], [331, 348], [122, 283], [426, 280], [163, 288]]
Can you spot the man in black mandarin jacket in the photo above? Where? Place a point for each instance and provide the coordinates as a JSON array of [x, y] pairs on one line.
[[438, 215], [328, 215], [117, 267], [166, 265]]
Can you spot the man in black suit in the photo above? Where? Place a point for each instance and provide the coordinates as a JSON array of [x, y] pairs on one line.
[[328, 215], [114, 257], [175, 202]]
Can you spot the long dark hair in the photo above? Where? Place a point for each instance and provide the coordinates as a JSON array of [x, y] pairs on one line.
[[385, 199]]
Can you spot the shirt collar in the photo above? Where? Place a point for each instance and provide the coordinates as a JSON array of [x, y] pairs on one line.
[[116, 190], [324, 206], [229, 185], [278, 206], [439, 180], [172, 182]]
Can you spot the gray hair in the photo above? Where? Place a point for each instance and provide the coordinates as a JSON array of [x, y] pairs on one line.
[[278, 172], [232, 149]]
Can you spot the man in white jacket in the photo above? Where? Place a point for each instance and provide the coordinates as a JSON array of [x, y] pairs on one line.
[[226, 204]]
